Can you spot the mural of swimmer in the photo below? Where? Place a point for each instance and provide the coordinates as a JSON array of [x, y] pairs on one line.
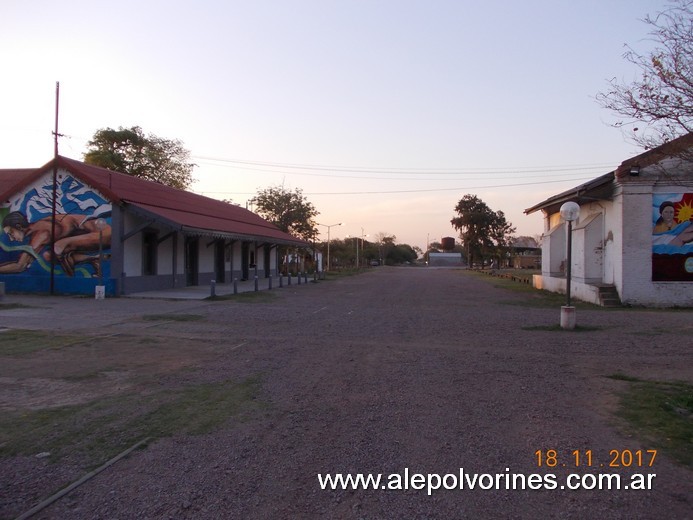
[[75, 237], [27, 227]]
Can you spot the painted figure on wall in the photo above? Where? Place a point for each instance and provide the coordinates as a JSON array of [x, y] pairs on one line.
[[672, 237], [82, 228], [77, 238]]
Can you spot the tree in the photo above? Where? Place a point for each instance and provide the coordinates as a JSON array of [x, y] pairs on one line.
[[483, 232], [290, 211], [130, 151], [400, 254], [658, 106]]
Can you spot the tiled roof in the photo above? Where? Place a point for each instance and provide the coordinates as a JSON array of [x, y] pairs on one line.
[[176, 208]]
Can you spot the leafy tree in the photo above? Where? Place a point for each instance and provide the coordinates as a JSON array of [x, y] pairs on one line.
[[130, 151], [400, 254], [661, 100], [483, 232], [289, 210]]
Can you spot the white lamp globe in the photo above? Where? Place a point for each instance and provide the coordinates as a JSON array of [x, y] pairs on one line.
[[570, 211]]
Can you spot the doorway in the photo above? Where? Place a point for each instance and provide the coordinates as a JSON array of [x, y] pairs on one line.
[[191, 260]]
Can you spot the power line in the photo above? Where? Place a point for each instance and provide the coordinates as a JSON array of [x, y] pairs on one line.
[[413, 191], [572, 172], [237, 163]]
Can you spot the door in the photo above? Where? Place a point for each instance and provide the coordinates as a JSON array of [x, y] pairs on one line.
[[266, 264], [219, 263], [245, 260], [191, 260]]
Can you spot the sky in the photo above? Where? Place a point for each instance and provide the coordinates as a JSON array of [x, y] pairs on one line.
[[385, 113]]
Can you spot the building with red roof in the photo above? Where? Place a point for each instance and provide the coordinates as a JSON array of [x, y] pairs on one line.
[[123, 232]]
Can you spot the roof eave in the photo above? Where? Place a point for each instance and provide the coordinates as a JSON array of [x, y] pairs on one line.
[[601, 188]]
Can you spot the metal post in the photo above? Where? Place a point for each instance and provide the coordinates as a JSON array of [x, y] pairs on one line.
[[289, 277], [55, 183], [100, 255], [270, 282], [570, 261], [235, 286], [256, 286]]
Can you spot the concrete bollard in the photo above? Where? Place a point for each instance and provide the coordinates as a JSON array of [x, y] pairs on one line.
[[298, 275], [256, 286], [289, 278], [270, 282], [212, 288], [281, 281], [235, 286], [305, 277], [2, 290], [568, 317]]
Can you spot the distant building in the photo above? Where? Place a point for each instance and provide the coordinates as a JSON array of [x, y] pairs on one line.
[[634, 234], [132, 234], [444, 259], [525, 253]]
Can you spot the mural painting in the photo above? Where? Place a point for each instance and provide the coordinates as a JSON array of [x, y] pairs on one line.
[[672, 237], [82, 224]]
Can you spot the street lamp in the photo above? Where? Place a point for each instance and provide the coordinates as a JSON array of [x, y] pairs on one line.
[[328, 240], [570, 211], [357, 253]]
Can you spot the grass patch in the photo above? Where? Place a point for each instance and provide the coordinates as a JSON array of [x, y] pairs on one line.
[[173, 317], [623, 377], [250, 297], [558, 328], [101, 429], [661, 413], [534, 297], [343, 273], [17, 342]]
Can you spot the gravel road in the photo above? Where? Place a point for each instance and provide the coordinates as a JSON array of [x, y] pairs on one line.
[[396, 370]]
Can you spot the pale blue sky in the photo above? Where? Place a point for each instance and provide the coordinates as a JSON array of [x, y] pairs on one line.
[[403, 106]]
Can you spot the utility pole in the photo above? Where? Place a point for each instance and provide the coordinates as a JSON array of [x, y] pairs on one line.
[[55, 180]]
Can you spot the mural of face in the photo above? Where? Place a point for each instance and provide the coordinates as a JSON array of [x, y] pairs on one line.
[[668, 214], [14, 233]]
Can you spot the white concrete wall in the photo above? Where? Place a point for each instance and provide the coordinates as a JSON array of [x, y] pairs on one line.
[[164, 258], [132, 247], [553, 251], [205, 255], [638, 287], [612, 240]]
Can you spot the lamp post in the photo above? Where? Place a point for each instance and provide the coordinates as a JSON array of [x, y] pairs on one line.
[[570, 211], [357, 254], [330, 226]]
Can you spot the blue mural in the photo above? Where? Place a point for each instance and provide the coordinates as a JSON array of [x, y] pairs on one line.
[[82, 227], [672, 237]]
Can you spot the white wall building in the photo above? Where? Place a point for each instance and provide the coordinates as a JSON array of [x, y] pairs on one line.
[[634, 234]]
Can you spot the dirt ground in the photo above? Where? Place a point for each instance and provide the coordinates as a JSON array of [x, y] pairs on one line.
[[394, 371]]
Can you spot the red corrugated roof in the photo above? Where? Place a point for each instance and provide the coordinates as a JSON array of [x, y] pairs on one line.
[[10, 178], [188, 210]]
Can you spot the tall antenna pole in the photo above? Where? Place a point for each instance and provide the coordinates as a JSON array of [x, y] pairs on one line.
[[55, 180]]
